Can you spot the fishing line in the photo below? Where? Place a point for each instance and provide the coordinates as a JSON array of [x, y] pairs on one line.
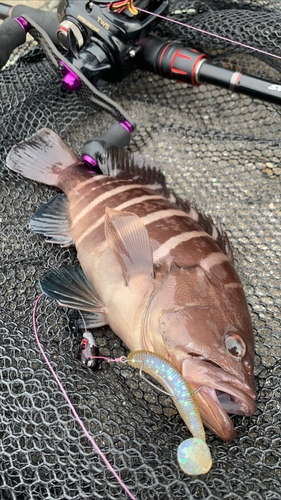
[[72, 407], [123, 359], [209, 33]]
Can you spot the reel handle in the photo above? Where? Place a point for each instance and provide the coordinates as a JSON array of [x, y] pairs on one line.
[[48, 21], [118, 134], [14, 27]]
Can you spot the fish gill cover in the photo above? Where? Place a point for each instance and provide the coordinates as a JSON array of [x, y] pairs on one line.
[[219, 149]]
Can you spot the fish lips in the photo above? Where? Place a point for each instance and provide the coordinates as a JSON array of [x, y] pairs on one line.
[[221, 393]]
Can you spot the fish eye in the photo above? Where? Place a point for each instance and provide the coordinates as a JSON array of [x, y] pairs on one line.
[[235, 345]]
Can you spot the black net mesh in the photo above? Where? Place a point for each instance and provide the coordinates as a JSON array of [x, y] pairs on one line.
[[219, 149]]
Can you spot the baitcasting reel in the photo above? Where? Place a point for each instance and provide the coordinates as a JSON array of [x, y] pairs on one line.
[[101, 38], [92, 39], [105, 38]]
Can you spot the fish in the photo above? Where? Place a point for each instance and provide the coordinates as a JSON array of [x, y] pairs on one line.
[[154, 268]]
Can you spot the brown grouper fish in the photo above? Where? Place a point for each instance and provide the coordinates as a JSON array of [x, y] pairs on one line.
[[154, 268]]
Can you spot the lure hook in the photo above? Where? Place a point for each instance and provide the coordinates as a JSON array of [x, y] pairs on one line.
[[153, 385], [158, 388]]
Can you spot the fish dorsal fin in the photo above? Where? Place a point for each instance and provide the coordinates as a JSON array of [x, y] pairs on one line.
[[125, 165], [70, 287], [129, 241], [52, 220], [205, 222]]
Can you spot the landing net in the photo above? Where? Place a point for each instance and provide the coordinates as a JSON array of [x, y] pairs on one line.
[[219, 149]]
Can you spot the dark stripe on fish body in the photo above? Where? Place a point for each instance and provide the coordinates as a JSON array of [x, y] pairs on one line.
[[152, 204], [87, 193], [167, 226], [99, 199], [92, 207], [140, 209], [226, 275], [126, 196], [191, 252], [96, 196], [148, 206]]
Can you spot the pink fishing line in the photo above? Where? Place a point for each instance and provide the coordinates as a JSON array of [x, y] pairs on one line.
[[211, 34], [84, 322], [72, 407], [102, 357]]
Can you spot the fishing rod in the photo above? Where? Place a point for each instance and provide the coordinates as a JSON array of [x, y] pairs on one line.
[[89, 40]]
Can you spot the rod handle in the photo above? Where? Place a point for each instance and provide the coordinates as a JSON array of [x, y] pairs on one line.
[[12, 35]]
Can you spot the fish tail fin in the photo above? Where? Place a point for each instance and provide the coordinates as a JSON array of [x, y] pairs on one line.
[[42, 157]]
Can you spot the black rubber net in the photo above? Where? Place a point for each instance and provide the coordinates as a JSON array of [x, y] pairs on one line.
[[218, 149]]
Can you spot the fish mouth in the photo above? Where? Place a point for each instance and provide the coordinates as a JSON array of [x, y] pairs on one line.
[[221, 393]]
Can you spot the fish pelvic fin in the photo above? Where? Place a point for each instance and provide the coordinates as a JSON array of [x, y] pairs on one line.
[[71, 288], [128, 239], [42, 157], [52, 220]]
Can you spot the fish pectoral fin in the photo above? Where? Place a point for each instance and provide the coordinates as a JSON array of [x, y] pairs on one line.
[[71, 288], [129, 241], [52, 220], [92, 320]]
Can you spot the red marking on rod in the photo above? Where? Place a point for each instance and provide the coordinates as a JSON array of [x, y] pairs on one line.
[[121, 4], [161, 57], [179, 71], [173, 70], [183, 56], [237, 81], [173, 60]]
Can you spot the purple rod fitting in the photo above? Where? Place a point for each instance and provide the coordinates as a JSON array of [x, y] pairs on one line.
[[23, 23], [128, 126], [70, 80], [90, 163]]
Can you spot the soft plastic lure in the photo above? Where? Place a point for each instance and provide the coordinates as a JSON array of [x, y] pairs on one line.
[[193, 454]]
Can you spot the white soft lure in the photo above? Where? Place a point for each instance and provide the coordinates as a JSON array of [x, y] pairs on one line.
[[193, 454]]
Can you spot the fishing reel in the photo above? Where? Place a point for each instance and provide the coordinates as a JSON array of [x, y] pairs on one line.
[[92, 39], [101, 38]]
